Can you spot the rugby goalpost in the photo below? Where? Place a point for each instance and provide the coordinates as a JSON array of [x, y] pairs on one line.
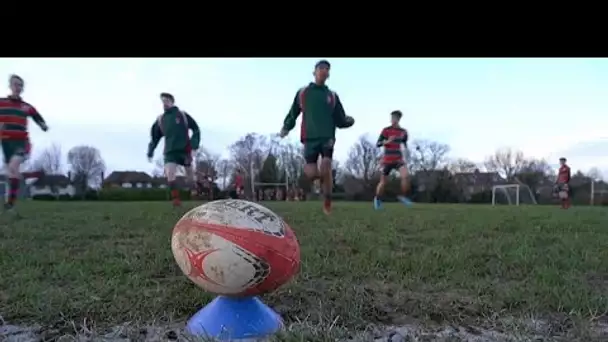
[[504, 188]]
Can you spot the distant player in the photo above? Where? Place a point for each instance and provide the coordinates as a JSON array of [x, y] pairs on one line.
[[392, 138], [175, 125], [239, 187], [562, 184], [16, 147], [322, 114]]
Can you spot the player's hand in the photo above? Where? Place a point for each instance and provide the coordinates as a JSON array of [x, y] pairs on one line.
[[44, 127], [349, 121], [283, 133]]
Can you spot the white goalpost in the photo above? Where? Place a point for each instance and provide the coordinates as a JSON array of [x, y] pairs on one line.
[[512, 193], [598, 189]]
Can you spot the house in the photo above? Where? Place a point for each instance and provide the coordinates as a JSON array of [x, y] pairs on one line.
[[128, 179], [161, 182], [471, 183], [54, 185], [428, 179]]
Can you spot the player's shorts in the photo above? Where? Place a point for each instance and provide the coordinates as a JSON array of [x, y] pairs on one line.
[[563, 190], [389, 167], [314, 148], [15, 148], [178, 157]]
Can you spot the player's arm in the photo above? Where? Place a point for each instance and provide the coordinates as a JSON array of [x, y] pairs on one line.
[[155, 135], [290, 120], [405, 138], [195, 140], [340, 117], [382, 139], [38, 119]]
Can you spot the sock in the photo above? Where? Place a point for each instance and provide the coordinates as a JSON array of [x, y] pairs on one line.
[[174, 192], [14, 190]]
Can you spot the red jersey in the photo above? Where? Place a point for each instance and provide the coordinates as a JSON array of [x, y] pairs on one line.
[[563, 176], [392, 150], [238, 181], [14, 113]]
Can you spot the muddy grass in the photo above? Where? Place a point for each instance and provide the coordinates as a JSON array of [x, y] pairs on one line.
[[443, 270]]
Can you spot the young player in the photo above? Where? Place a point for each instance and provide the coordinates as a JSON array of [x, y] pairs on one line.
[[174, 125], [238, 184], [563, 181], [392, 138], [14, 113], [322, 114]]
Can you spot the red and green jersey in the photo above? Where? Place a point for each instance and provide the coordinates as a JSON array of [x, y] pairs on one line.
[[392, 150], [175, 125], [14, 113], [322, 112]]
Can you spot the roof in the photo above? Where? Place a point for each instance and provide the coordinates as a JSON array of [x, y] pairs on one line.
[[120, 177], [52, 180]]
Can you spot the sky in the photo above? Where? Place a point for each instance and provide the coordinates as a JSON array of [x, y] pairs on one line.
[[546, 108]]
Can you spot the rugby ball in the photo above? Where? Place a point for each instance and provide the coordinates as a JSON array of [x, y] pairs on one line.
[[235, 248]]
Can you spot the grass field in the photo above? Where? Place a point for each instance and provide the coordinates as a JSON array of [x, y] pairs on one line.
[[475, 266]]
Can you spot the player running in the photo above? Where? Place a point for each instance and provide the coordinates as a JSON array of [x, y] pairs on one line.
[[562, 184], [391, 138], [322, 114], [16, 147], [175, 124]]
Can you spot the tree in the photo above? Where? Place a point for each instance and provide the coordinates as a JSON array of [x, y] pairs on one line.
[[534, 173], [506, 162], [269, 172], [206, 162], [428, 155], [224, 171], [50, 160], [595, 174], [291, 160], [363, 159], [249, 151], [462, 165], [87, 167]]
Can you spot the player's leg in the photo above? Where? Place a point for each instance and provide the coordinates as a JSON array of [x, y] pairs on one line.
[[311, 155], [327, 182], [171, 162], [405, 185], [386, 170], [563, 196], [15, 153], [189, 169]]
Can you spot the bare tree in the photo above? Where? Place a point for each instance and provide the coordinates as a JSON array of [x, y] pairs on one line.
[[506, 162], [428, 155], [50, 160], [363, 159], [206, 162], [595, 174], [462, 165], [291, 160], [87, 167], [224, 171], [249, 150]]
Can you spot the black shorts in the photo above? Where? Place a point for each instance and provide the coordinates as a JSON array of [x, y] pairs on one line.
[[387, 168], [318, 147]]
